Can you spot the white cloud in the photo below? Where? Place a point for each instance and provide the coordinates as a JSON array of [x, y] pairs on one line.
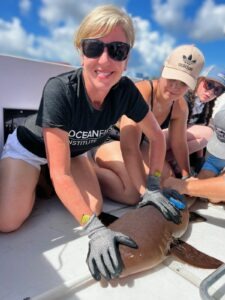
[[170, 14], [209, 22], [56, 11], [148, 54], [151, 46], [25, 6], [58, 46], [14, 39], [206, 24]]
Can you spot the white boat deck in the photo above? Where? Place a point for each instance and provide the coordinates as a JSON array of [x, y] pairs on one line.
[[45, 259]]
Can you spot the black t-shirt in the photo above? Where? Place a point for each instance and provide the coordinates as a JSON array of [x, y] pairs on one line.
[[65, 105]]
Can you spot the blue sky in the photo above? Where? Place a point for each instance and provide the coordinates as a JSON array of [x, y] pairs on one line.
[[44, 29]]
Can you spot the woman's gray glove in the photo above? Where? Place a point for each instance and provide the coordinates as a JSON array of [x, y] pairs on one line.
[[167, 201], [103, 257]]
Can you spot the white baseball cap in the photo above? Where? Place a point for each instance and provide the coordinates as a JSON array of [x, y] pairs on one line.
[[185, 64]]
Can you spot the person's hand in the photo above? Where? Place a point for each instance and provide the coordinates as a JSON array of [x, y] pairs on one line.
[[104, 259], [167, 201], [174, 197]]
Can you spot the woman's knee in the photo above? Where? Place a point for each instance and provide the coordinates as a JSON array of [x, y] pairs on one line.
[[199, 132], [130, 197], [13, 216], [10, 223]]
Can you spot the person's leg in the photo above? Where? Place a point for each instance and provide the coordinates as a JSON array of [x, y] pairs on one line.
[[203, 174], [18, 181], [212, 167], [198, 137], [167, 170], [112, 175]]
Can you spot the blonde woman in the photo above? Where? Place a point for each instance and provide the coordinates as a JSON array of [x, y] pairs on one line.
[[76, 114]]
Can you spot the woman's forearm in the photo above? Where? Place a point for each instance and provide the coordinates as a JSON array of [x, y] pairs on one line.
[[211, 188], [71, 197], [181, 156], [135, 168]]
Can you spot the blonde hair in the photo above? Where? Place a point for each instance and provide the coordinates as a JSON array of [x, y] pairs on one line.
[[101, 21]]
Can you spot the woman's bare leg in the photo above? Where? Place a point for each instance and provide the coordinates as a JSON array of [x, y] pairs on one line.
[[198, 137], [18, 181], [112, 175], [204, 174]]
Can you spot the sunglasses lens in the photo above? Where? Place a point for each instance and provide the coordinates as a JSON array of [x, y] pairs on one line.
[[218, 90], [209, 85], [118, 50], [92, 48]]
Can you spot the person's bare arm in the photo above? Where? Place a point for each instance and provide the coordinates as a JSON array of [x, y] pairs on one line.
[[157, 149], [58, 154], [130, 146], [130, 136], [178, 136], [212, 189]]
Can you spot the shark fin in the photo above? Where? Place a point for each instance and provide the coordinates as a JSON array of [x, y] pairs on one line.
[[192, 256], [195, 217]]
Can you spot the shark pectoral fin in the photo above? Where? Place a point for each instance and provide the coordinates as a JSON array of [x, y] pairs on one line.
[[192, 256], [107, 218], [195, 217]]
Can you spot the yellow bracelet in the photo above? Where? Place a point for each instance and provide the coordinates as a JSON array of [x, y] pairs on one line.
[[157, 174], [84, 219]]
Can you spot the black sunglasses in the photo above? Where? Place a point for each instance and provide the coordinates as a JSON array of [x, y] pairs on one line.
[[209, 85], [93, 48]]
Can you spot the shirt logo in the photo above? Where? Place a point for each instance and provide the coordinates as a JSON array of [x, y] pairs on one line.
[[220, 133], [85, 138]]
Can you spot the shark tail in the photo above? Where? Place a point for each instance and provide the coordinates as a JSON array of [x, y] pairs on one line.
[[192, 256]]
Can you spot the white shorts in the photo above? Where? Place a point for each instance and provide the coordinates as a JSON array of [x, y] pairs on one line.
[[14, 149]]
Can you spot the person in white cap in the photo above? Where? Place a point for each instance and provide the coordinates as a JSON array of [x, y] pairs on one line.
[[210, 183], [121, 176], [201, 101]]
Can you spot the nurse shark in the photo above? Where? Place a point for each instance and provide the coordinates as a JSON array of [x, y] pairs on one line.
[[157, 238]]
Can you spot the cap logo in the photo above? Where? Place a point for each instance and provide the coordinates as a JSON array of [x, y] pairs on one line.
[[188, 61], [220, 133]]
